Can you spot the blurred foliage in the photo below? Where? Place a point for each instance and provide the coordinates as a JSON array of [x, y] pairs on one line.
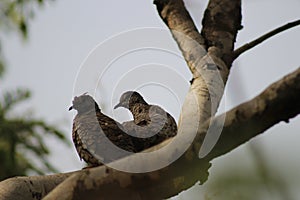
[[1, 67], [15, 14], [262, 182], [21, 137], [1, 62]]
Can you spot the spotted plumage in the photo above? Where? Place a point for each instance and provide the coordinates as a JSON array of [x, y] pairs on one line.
[[151, 124], [98, 138]]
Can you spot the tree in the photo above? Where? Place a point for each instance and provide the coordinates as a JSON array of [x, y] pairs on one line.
[[21, 137], [209, 56]]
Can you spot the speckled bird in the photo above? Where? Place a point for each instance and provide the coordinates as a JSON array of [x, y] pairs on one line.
[[151, 124], [96, 135]]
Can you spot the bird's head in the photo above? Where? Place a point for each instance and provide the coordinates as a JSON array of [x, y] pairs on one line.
[[129, 98], [84, 103]]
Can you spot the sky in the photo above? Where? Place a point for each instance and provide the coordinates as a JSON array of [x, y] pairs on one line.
[[108, 47]]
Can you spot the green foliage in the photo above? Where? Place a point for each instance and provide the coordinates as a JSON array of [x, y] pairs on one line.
[[1, 67], [21, 137], [15, 14], [1, 62], [260, 181]]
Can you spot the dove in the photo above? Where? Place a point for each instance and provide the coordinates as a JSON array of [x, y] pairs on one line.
[[151, 124], [97, 138]]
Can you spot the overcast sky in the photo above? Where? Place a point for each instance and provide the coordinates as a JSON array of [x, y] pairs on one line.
[[135, 51]]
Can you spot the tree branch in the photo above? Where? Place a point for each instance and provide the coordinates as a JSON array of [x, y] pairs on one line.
[[32, 187], [221, 22], [242, 123], [264, 37], [208, 69], [183, 29], [279, 102]]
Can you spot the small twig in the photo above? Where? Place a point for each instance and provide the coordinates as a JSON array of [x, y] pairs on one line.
[[266, 36]]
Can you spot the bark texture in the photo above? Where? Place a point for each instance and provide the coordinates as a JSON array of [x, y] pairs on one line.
[[221, 22], [32, 187]]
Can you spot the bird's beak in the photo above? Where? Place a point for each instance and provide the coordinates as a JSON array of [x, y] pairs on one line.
[[71, 108], [118, 105]]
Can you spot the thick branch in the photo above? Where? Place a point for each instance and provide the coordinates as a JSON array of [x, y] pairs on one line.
[[33, 187], [221, 22], [183, 29], [279, 102], [264, 37], [209, 71], [242, 123]]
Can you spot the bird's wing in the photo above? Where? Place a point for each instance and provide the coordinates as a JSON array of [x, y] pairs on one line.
[[102, 138], [89, 138], [162, 122], [114, 131]]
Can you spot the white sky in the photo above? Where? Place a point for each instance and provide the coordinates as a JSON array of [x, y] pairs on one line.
[[64, 32]]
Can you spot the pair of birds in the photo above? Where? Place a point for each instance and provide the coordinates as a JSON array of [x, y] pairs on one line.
[[100, 139]]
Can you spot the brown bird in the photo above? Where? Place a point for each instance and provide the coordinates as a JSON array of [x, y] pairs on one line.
[[98, 138], [151, 124]]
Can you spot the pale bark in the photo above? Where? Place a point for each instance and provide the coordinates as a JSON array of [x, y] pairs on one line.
[[32, 187]]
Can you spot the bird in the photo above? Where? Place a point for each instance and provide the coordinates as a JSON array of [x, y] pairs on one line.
[[151, 124], [98, 138]]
